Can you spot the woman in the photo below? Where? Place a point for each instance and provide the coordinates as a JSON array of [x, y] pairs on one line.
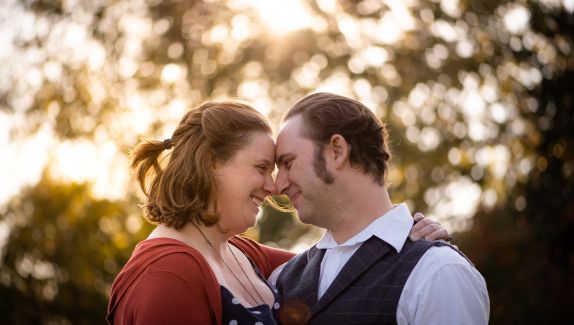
[[193, 268]]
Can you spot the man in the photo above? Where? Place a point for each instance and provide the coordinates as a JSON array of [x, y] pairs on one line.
[[333, 157]]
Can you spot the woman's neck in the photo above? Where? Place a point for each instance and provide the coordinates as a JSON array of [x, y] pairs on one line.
[[212, 236], [200, 237]]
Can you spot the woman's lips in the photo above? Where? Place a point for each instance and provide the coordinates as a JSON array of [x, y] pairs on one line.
[[257, 200]]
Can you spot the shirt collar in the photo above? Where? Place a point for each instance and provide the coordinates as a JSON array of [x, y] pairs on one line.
[[392, 227]]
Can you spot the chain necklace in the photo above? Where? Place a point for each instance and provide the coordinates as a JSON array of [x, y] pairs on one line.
[[231, 271]]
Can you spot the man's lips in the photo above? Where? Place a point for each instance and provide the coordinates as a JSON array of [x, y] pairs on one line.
[[294, 197]]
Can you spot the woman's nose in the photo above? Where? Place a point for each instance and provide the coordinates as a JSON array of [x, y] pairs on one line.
[[269, 186]]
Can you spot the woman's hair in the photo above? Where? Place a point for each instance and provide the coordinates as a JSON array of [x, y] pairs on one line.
[[326, 114], [183, 190]]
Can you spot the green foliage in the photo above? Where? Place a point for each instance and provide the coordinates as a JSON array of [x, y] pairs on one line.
[[63, 251]]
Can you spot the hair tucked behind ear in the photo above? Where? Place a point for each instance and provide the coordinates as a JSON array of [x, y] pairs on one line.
[[184, 191]]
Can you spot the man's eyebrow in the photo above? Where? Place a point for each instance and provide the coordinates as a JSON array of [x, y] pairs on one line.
[[282, 158]]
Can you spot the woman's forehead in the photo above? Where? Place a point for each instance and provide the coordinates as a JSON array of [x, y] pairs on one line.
[[260, 146]]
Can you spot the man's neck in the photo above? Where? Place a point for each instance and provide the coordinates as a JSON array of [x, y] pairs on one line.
[[365, 206]]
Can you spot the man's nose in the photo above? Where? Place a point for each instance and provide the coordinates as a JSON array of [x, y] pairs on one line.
[[281, 182]]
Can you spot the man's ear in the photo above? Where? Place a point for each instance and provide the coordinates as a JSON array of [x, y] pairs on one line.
[[340, 150]]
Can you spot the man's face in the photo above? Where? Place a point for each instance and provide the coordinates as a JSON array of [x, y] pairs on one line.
[[302, 177]]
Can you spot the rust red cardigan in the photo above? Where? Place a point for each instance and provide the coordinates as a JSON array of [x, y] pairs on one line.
[[167, 281]]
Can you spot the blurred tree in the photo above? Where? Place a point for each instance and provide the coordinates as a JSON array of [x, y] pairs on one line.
[[525, 246], [63, 251]]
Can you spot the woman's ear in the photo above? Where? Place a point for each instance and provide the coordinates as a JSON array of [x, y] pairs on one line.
[[216, 166], [340, 150]]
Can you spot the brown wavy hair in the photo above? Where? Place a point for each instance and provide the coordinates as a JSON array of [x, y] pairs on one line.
[[183, 191], [326, 114]]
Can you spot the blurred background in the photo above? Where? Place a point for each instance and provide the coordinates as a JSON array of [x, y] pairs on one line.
[[478, 96]]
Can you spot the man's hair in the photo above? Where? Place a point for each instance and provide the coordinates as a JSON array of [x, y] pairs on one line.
[[183, 190], [326, 114]]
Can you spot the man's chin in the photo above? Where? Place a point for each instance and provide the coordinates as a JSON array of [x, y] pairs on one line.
[[304, 217]]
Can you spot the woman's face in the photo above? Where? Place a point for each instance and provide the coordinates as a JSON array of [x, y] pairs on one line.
[[244, 181]]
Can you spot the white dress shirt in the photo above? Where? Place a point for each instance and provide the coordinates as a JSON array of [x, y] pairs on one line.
[[443, 288]]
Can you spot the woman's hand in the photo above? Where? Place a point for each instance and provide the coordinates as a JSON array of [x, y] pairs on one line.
[[427, 229]]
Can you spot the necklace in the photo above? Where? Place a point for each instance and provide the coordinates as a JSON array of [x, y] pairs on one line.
[[233, 273]]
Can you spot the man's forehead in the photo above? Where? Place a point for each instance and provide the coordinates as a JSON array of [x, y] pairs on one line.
[[290, 127], [288, 139]]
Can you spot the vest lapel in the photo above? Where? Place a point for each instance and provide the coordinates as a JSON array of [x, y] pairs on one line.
[[370, 251], [310, 276]]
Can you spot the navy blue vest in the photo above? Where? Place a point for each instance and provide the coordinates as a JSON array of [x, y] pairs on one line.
[[366, 290]]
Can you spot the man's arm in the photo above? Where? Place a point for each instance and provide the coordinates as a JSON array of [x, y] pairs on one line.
[[444, 288]]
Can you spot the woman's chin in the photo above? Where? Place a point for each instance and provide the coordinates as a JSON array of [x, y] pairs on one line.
[[251, 225], [245, 227]]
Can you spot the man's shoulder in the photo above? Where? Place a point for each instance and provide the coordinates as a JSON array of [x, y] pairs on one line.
[[445, 254], [443, 261], [444, 280]]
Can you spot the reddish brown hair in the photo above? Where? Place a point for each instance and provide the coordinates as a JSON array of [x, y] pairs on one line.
[[326, 114], [183, 190]]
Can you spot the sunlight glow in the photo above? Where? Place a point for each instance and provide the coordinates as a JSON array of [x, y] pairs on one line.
[[458, 199], [31, 156], [172, 72], [516, 19], [255, 91], [307, 76], [98, 163], [390, 29], [451, 7], [76, 161], [281, 16], [337, 83], [444, 30], [497, 158], [401, 13], [429, 139]]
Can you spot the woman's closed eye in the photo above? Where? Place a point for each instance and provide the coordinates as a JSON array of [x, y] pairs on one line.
[[262, 169]]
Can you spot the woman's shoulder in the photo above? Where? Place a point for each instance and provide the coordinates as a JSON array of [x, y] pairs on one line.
[[162, 256], [175, 288], [168, 255], [168, 269], [266, 258]]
